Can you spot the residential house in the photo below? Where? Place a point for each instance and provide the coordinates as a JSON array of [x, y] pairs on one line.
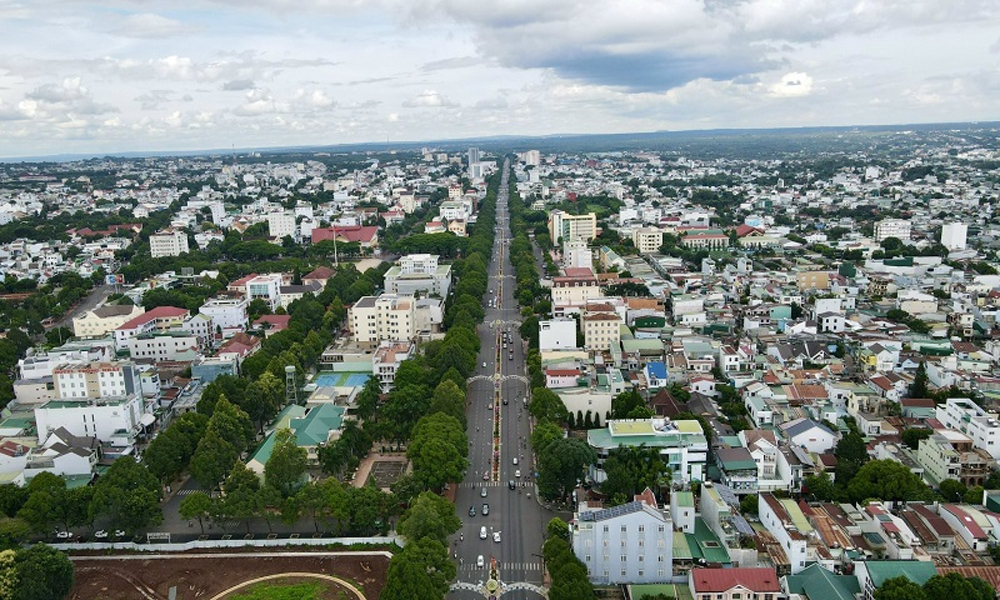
[[103, 319], [808, 434], [760, 583]]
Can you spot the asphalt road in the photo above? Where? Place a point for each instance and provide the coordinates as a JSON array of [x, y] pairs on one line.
[[515, 514], [95, 297]]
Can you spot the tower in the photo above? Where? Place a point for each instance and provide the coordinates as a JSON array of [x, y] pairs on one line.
[[291, 389]]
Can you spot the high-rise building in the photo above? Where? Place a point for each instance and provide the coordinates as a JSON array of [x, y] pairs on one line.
[[566, 227], [953, 235], [168, 242], [897, 228]]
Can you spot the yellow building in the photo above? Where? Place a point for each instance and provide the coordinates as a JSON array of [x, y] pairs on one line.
[[812, 280]]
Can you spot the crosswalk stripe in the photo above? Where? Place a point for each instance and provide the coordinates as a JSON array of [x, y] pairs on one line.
[[507, 566]]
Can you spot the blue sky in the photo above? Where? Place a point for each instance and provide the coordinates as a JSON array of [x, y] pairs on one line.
[[137, 75]]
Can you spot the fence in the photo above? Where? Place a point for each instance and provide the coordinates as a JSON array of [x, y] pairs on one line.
[[231, 543]]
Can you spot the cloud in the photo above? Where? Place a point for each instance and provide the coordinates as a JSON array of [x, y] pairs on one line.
[[152, 99], [259, 102], [68, 98], [150, 25], [429, 99], [792, 85], [238, 85], [458, 62]]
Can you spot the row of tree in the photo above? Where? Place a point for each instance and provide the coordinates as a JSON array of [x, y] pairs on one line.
[[568, 573]]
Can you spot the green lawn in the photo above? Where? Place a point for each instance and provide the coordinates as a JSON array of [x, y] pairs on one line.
[[272, 591]]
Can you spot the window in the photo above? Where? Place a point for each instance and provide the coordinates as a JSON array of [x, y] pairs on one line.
[[605, 529], [624, 558], [624, 573], [624, 528], [642, 528], [588, 558]]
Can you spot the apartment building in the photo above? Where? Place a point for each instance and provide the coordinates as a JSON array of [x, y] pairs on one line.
[[601, 330], [96, 380], [389, 317], [566, 227], [168, 242], [647, 239], [681, 444], [116, 421], [557, 334], [161, 318], [897, 228], [386, 361], [574, 290], [577, 255], [949, 454], [228, 313], [154, 347], [785, 521], [281, 224], [964, 415], [629, 543], [953, 235], [265, 287]]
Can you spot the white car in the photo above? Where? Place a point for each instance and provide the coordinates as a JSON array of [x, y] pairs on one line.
[[515, 460], [484, 364], [496, 537], [482, 532], [517, 473], [64, 535], [480, 561], [100, 535]]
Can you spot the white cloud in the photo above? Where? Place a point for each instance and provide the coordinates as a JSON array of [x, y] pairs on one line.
[[150, 25], [792, 85], [429, 99]]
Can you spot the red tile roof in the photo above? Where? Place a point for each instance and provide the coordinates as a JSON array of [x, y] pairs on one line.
[[278, 322], [721, 580], [562, 372]]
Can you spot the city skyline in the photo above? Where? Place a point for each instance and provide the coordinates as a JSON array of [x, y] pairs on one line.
[[123, 76]]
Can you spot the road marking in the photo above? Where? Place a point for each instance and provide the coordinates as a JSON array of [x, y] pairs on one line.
[[187, 492]]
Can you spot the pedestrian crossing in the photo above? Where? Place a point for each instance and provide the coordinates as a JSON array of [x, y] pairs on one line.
[[466, 485], [504, 566], [186, 492]]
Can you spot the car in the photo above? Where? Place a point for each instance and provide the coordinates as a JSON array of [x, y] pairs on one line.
[[119, 533], [486, 476], [484, 364], [472, 511], [480, 561], [517, 473], [496, 537], [100, 535], [482, 493], [64, 535], [510, 356], [515, 460], [510, 484], [482, 532], [486, 509], [505, 402], [505, 344]]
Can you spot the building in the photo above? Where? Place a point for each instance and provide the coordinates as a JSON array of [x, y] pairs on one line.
[[365, 236], [953, 235], [812, 280], [575, 290], [708, 238], [168, 242], [103, 319], [115, 421], [313, 425], [962, 414], [566, 227], [376, 319], [290, 293], [682, 444], [785, 521], [155, 347], [647, 239], [601, 330], [228, 313], [266, 288], [96, 380], [734, 584], [949, 454], [419, 274], [577, 255], [161, 319], [817, 583], [386, 361], [280, 225], [238, 348], [872, 574], [897, 228], [630, 543], [557, 334]]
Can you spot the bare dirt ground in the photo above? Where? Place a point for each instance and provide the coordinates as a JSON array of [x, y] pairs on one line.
[[202, 576]]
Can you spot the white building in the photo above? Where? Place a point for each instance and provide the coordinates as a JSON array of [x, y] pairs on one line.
[[96, 380], [897, 228], [266, 287], [557, 334], [281, 224], [386, 361], [419, 273], [228, 313], [577, 255], [630, 543], [564, 226], [168, 242], [164, 346], [112, 420], [953, 235], [682, 444], [383, 318], [971, 419]]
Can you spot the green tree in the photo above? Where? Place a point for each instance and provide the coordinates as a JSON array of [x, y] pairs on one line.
[[287, 464], [128, 496], [974, 495], [748, 505], [625, 403], [918, 389], [820, 487], [8, 573], [43, 573], [545, 405], [239, 498], [851, 453], [562, 466], [544, 434], [196, 506], [899, 588], [170, 452], [952, 490], [912, 436], [557, 528], [630, 470], [212, 460], [431, 516], [449, 399], [886, 480], [422, 571], [955, 585]]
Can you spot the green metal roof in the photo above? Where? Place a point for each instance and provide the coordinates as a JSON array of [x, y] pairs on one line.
[[703, 543], [917, 571], [315, 427], [816, 583]]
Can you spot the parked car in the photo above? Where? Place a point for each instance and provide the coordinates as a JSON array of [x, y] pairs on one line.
[[517, 473], [486, 509], [496, 537], [480, 561], [482, 493], [482, 532], [472, 511]]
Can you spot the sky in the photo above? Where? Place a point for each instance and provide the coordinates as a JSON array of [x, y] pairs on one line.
[[144, 76]]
